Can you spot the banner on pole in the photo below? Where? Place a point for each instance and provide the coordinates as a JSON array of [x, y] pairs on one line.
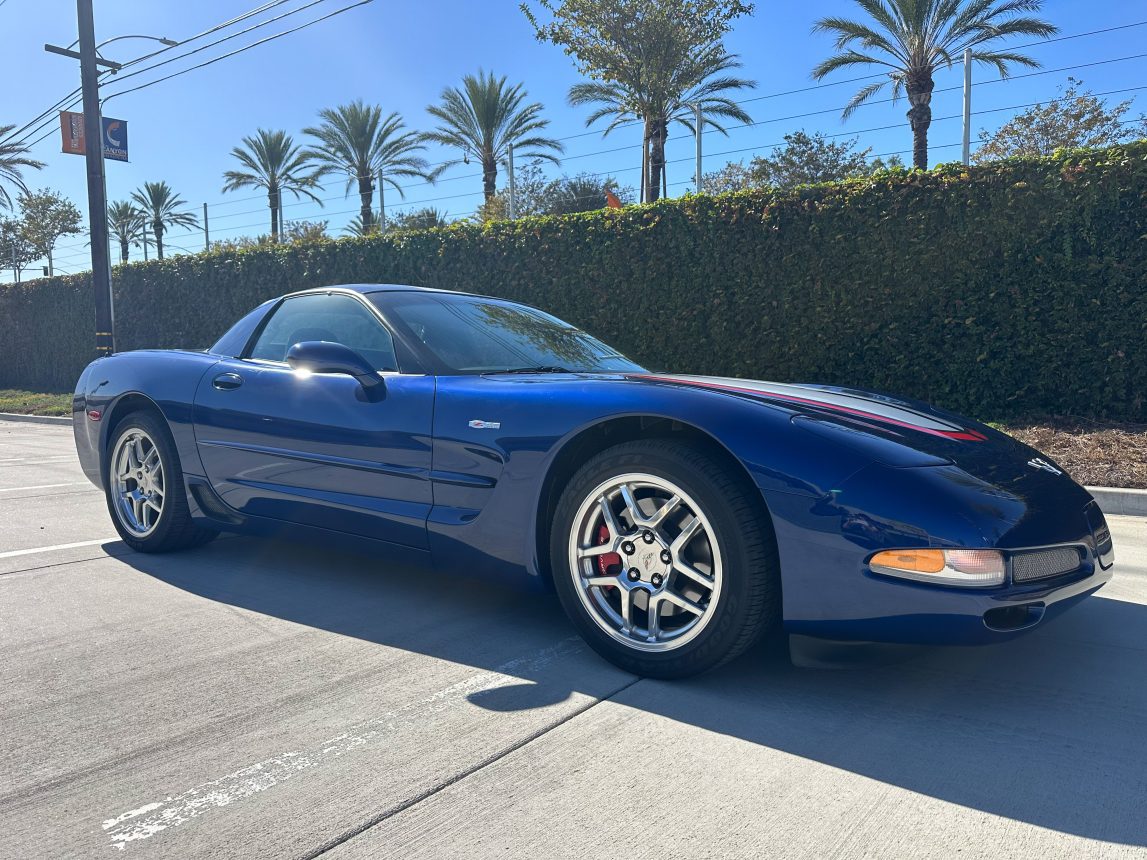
[[114, 135]]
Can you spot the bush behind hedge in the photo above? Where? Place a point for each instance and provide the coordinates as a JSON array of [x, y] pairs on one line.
[[1013, 288]]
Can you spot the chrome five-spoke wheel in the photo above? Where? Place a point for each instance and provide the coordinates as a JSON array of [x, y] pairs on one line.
[[664, 557], [646, 561], [138, 482]]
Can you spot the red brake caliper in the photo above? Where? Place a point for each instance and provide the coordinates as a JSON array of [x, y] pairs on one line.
[[610, 563]]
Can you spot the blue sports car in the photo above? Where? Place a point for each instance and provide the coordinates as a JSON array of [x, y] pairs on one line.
[[678, 518]]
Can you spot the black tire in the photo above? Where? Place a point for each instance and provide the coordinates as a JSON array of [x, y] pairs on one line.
[[174, 529], [748, 603]]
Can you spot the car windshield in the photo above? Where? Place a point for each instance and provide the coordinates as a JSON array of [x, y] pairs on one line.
[[468, 334]]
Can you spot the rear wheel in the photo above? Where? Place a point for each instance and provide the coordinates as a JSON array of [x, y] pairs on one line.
[[664, 560], [144, 488]]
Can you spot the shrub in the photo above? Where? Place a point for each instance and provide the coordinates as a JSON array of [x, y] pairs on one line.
[[1010, 288]]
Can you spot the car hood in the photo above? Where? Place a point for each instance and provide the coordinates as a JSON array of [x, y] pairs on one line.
[[892, 430]]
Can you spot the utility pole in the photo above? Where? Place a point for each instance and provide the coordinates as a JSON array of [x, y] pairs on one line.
[[698, 121], [967, 106], [381, 205], [206, 230], [510, 168], [97, 193]]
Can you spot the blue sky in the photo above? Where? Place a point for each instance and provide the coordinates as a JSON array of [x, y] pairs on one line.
[[401, 53]]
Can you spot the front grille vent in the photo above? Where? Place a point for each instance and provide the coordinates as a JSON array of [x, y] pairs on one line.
[[1044, 563]]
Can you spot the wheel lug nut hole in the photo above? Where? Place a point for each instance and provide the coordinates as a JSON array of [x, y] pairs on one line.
[[627, 548], [647, 536], [634, 574]]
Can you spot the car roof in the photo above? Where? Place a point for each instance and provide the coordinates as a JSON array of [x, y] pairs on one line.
[[365, 289]]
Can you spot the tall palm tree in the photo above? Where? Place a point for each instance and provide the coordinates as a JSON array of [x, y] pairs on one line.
[[483, 118], [357, 139], [163, 209], [913, 38], [275, 164], [126, 223], [667, 93], [13, 157]]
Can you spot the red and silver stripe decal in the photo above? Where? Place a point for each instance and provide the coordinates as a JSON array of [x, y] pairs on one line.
[[885, 413]]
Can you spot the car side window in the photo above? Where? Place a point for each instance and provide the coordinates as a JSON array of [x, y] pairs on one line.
[[336, 318]]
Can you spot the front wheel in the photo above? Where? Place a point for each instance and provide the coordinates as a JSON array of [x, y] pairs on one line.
[[665, 559], [144, 488]]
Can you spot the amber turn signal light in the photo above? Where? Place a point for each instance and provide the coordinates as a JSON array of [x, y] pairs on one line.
[[966, 568]]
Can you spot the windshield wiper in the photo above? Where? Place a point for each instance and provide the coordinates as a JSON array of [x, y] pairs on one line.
[[543, 368]]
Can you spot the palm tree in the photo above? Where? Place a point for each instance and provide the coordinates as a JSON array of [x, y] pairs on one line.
[[276, 164], [13, 157], [912, 38], [484, 118], [664, 95], [127, 224], [355, 138], [162, 209]]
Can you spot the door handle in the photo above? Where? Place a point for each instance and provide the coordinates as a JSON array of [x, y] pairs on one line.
[[227, 381]]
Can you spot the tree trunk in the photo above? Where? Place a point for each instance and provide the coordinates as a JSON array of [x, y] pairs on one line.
[[123, 250], [273, 202], [656, 160], [920, 118], [644, 161], [489, 176], [366, 197], [157, 227], [919, 87], [51, 268]]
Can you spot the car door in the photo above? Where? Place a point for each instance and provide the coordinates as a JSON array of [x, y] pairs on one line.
[[314, 449]]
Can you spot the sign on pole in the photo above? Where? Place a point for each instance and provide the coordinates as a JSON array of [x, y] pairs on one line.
[[114, 135]]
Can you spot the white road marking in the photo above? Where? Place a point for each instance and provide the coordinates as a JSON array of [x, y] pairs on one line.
[[34, 550], [44, 486], [260, 776], [4, 461]]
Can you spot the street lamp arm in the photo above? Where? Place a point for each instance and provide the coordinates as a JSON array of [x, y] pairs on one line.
[[171, 43]]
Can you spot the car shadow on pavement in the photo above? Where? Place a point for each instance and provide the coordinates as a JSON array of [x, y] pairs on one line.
[[1048, 729]]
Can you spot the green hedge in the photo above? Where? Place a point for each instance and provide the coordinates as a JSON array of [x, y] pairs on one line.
[[1014, 288]]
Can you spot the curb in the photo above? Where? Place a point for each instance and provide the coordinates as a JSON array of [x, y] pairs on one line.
[[1116, 501], [35, 419]]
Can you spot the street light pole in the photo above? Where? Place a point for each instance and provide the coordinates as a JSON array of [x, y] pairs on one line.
[[698, 119], [97, 193], [967, 106], [90, 60]]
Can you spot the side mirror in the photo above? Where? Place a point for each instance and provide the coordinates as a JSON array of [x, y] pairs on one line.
[[321, 356]]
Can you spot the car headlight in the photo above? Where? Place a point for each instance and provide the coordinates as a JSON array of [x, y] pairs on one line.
[[966, 568]]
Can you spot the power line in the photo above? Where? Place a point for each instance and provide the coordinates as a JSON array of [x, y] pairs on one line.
[[753, 148], [747, 125], [214, 29], [240, 50], [121, 78], [51, 121]]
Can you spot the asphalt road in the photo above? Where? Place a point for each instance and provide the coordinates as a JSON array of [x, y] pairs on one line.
[[259, 700]]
